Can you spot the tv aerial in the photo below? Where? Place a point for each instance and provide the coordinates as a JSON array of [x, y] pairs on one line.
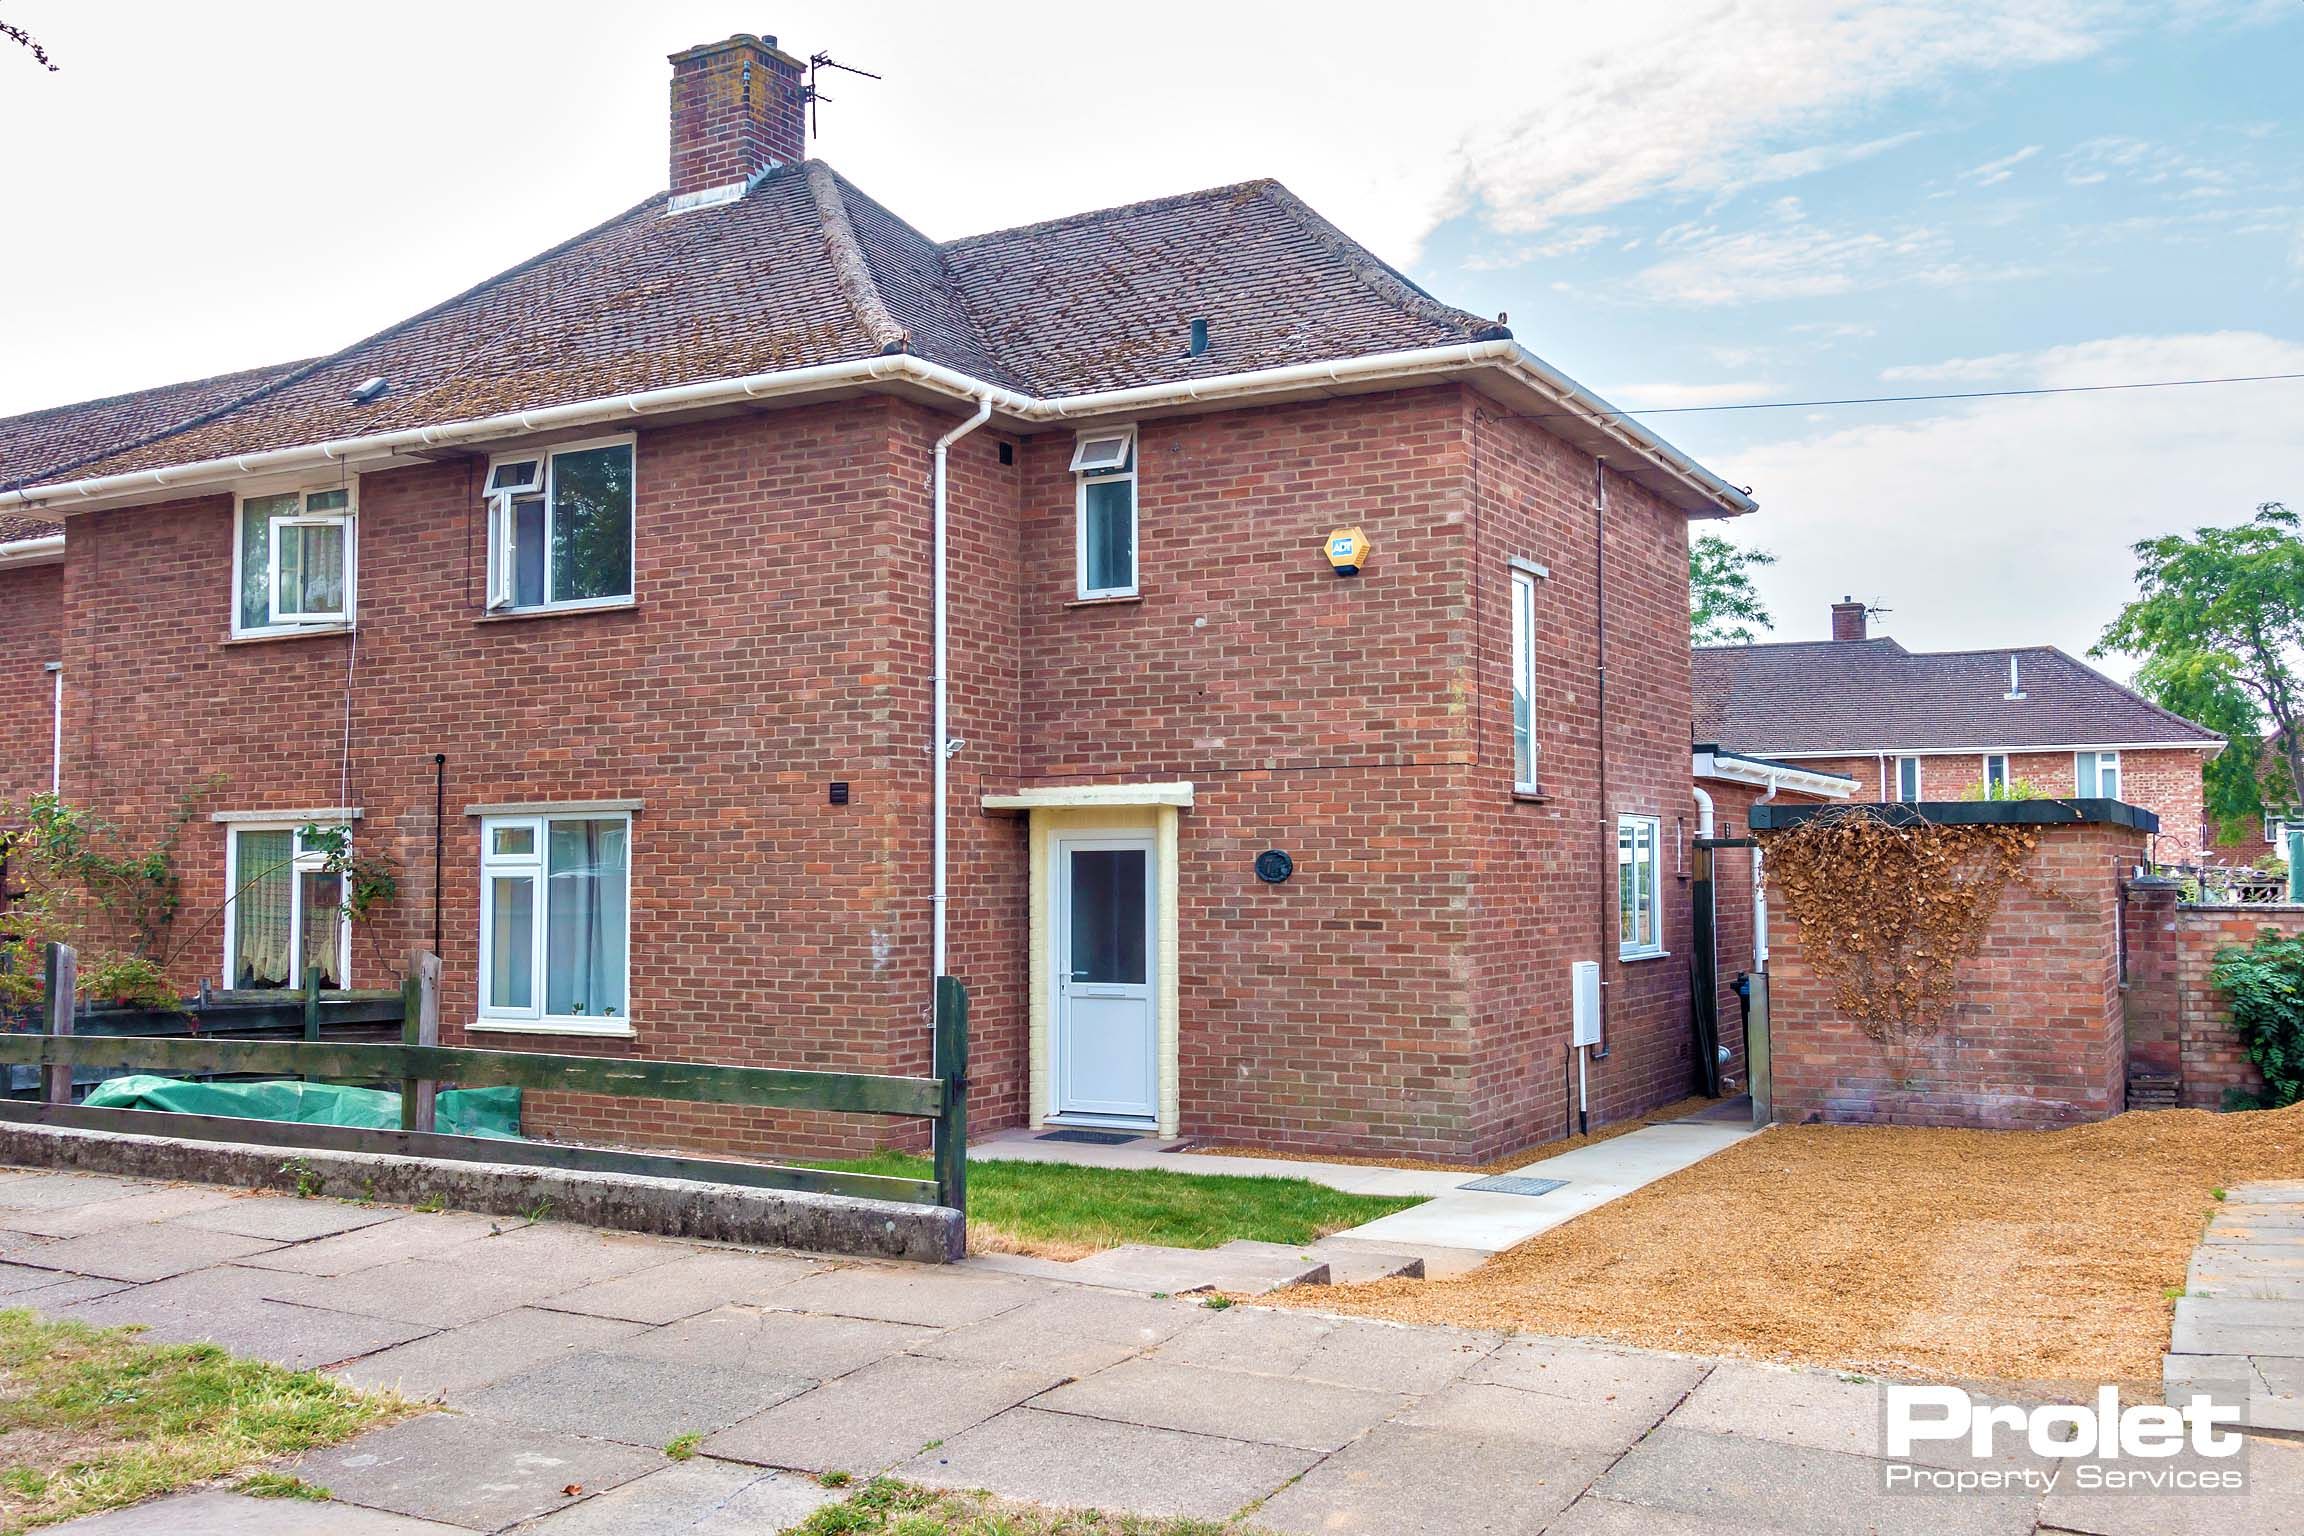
[[817, 61]]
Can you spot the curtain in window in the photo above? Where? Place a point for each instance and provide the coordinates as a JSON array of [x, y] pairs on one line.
[[311, 569], [584, 936], [264, 910], [323, 926], [1109, 551]]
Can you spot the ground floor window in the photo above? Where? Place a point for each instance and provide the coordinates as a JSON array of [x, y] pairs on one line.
[[284, 912], [555, 920], [1639, 903]]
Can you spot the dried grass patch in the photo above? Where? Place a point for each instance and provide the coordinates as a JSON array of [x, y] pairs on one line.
[[1891, 1250]]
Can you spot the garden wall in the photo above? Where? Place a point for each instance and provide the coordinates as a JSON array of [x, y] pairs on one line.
[[2035, 1036], [2179, 1024]]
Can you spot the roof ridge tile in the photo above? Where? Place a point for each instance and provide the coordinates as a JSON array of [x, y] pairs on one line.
[[848, 264]]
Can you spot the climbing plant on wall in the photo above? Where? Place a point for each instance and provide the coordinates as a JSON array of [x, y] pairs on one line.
[[1888, 912]]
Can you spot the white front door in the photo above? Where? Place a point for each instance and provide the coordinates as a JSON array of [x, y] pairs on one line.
[[1107, 1030]]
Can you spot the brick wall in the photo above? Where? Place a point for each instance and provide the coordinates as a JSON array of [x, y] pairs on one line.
[[2165, 782], [31, 615], [2179, 1023], [2035, 1038]]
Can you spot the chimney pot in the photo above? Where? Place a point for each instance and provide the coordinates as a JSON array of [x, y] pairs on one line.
[[1848, 621], [738, 108]]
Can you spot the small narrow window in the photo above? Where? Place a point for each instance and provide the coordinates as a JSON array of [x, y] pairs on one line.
[[1639, 902], [1908, 778], [1995, 775], [555, 921], [284, 912], [1524, 681], [294, 560], [560, 527], [1104, 465], [2096, 775]]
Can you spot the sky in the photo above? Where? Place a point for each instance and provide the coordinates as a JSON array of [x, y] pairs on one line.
[[1679, 204]]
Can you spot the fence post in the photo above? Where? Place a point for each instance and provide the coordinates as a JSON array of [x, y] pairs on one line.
[[63, 984], [311, 1001], [420, 1025], [951, 1130], [1759, 1062]]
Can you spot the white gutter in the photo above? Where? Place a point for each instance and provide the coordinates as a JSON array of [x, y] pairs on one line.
[[2199, 744], [1729, 769], [940, 742], [65, 497], [45, 550]]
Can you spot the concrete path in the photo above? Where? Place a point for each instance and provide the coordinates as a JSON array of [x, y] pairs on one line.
[[2239, 1332], [568, 1358]]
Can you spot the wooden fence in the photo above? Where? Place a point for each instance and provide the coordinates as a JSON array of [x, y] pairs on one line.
[[419, 1063]]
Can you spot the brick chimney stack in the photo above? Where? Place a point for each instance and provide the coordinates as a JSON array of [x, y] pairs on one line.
[[1848, 619], [738, 108]]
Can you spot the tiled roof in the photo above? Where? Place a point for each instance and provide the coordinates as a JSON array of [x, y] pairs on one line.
[[806, 269], [47, 445], [1862, 696]]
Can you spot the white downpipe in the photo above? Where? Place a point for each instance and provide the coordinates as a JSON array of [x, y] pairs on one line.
[[939, 740], [1760, 895], [56, 728], [1703, 811]]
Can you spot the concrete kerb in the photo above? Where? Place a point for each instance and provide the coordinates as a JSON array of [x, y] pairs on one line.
[[720, 1213]]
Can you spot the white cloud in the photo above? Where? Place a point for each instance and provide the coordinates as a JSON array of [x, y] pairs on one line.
[[2009, 521], [1993, 172], [1707, 104], [1796, 259], [1958, 370]]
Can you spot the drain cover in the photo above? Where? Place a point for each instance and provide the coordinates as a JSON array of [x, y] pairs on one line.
[[1513, 1184], [1092, 1138]]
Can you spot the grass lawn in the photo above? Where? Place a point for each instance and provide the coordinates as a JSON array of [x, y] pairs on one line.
[[91, 1419], [2046, 1256], [885, 1507], [1062, 1211]]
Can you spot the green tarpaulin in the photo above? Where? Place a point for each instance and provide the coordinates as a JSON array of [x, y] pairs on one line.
[[458, 1111]]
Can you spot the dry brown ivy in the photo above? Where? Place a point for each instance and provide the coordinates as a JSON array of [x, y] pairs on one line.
[[1888, 912]]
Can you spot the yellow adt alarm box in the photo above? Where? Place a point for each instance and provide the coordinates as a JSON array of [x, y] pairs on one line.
[[1347, 550]]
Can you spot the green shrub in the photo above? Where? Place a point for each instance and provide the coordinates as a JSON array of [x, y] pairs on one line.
[[2007, 789], [2266, 984]]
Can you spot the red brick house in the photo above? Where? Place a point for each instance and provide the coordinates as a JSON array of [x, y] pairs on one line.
[[626, 560], [1932, 726]]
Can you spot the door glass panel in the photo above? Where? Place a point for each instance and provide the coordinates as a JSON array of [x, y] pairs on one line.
[[323, 926], [264, 910], [1108, 915], [512, 941]]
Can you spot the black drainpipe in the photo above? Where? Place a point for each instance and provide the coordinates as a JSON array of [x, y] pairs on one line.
[[439, 832]]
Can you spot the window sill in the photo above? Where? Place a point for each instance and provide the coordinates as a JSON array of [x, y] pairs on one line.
[[316, 632], [570, 611], [1646, 954], [623, 1031], [1116, 600], [1531, 796]]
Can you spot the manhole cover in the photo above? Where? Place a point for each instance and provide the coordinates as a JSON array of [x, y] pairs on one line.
[[1513, 1184], [1092, 1138]]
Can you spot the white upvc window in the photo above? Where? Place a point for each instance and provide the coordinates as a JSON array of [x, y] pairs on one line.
[[555, 922], [1908, 778], [1524, 681], [1104, 545], [1995, 773], [292, 561], [2277, 828], [1639, 894], [2096, 775], [560, 526], [283, 910]]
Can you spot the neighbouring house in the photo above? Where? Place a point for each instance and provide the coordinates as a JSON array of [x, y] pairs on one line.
[[1939, 725], [1317, 677]]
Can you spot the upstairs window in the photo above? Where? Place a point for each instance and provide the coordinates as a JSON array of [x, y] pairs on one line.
[[1639, 899], [294, 562], [1908, 778], [560, 527], [1995, 775], [1104, 465], [2096, 775], [284, 915], [1524, 682]]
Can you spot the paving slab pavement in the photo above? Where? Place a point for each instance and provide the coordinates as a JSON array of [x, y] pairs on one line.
[[565, 1359], [2239, 1327]]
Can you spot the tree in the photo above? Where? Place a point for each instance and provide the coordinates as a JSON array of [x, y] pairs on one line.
[[16, 34], [2219, 622], [1723, 604]]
